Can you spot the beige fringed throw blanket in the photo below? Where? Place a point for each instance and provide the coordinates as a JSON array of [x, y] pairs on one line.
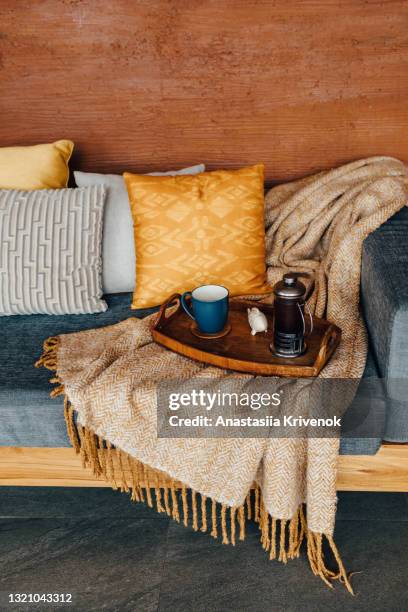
[[109, 378]]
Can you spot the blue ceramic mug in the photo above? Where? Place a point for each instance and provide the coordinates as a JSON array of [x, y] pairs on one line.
[[209, 307]]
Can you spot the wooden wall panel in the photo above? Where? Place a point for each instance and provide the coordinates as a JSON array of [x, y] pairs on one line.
[[151, 84]]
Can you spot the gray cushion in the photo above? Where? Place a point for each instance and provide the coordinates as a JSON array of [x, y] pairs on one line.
[[396, 429], [50, 255], [365, 437], [23, 336], [384, 295], [29, 417]]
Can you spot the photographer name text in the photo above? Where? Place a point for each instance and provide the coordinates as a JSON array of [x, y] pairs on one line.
[[266, 421]]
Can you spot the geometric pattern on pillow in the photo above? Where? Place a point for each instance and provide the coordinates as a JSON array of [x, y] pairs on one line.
[[197, 230], [50, 251]]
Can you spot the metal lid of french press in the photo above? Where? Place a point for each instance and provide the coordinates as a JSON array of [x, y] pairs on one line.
[[289, 288]]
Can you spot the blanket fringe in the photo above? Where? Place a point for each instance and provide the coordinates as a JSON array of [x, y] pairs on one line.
[[281, 538], [49, 360]]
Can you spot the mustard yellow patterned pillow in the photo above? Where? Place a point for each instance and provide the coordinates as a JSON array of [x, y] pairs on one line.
[[195, 230]]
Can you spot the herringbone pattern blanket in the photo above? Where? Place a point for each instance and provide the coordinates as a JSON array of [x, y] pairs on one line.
[[109, 377]]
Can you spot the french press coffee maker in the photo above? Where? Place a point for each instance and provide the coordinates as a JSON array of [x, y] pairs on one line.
[[289, 327]]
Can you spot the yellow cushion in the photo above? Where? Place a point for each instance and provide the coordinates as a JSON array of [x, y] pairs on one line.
[[43, 166], [195, 230]]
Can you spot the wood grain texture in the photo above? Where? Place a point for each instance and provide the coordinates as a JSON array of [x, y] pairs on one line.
[[42, 467], [252, 356], [385, 471], [152, 84], [61, 467]]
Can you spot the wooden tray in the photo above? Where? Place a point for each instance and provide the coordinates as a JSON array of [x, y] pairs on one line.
[[241, 351]]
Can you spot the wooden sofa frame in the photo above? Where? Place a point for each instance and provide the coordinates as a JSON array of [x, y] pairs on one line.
[[61, 467]]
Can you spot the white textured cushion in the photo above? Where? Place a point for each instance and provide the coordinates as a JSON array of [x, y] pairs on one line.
[[118, 248], [50, 251]]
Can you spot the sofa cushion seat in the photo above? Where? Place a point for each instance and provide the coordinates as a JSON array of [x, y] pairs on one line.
[[384, 292], [29, 417]]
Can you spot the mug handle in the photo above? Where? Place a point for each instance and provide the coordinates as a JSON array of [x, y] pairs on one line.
[[184, 304]]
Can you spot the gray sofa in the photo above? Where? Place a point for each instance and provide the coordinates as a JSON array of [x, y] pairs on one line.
[[30, 418]]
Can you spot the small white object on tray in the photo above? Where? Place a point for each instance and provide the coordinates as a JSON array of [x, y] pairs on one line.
[[257, 321]]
